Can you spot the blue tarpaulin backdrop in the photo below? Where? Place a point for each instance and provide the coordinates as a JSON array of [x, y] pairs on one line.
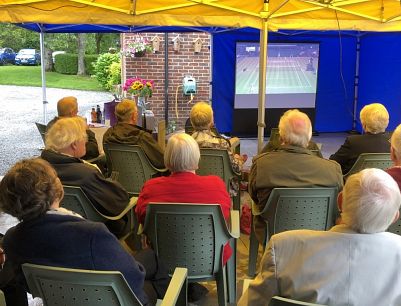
[[379, 75]]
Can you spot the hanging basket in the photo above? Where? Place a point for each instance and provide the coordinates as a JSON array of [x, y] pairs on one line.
[[140, 53]]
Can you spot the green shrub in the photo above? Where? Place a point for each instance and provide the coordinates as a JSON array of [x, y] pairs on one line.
[[89, 61], [115, 74], [68, 63], [102, 68]]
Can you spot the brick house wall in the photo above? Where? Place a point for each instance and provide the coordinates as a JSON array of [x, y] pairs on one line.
[[180, 63]]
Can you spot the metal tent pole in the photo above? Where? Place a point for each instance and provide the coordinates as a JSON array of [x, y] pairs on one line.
[[42, 69], [262, 76]]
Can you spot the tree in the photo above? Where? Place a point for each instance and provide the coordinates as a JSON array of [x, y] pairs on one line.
[[81, 42]]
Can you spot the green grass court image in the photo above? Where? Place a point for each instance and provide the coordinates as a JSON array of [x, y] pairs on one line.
[[284, 75]]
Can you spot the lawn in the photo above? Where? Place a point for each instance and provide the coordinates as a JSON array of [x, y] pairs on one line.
[[31, 76]]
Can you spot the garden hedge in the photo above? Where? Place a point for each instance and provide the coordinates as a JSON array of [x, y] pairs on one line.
[[68, 63]]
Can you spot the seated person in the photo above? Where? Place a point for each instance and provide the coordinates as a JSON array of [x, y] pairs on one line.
[[292, 165], [374, 119], [183, 185], [68, 107], [202, 121], [354, 263], [50, 235], [274, 144], [395, 151], [65, 145], [127, 132]]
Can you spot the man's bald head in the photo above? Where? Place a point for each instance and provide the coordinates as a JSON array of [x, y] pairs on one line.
[[67, 107], [295, 128]]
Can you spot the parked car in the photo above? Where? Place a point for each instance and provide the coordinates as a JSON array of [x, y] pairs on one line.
[[7, 55], [56, 53], [27, 57]]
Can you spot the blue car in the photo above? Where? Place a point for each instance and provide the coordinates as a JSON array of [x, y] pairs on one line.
[[7, 55], [27, 57]]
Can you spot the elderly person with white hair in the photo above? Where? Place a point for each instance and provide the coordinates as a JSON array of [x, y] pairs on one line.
[[354, 263], [183, 185], [374, 119], [292, 165], [395, 150], [67, 107], [65, 146], [207, 137], [127, 132]]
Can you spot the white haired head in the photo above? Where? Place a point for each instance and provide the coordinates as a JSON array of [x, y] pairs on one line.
[[396, 145], [374, 118], [182, 153], [295, 128], [370, 201], [64, 132]]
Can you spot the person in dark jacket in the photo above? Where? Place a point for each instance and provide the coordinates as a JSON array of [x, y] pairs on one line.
[[374, 119], [65, 145], [127, 132], [53, 236], [68, 107]]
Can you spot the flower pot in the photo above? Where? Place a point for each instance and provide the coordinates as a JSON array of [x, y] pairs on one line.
[[141, 102], [140, 53]]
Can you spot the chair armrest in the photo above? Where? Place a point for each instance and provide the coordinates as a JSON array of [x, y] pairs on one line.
[[177, 288], [130, 206], [160, 169], [234, 219]]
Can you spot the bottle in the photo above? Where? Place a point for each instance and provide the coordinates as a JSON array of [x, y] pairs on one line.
[[93, 115], [98, 114]]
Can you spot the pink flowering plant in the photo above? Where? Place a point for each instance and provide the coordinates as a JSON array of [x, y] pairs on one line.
[[138, 47], [139, 87]]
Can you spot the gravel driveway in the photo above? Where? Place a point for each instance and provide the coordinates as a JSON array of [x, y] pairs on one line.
[[21, 107]]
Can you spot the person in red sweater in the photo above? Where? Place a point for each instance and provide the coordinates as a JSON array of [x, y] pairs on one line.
[[395, 150], [183, 185], [181, 157]]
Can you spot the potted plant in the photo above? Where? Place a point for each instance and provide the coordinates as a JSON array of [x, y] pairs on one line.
[[140, 89], [138, 47]]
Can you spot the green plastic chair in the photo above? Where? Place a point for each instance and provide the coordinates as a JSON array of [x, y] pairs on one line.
[[193, 236], [131, 165], [370, 160], [290, 209], [76, 287], [42, 130], [280, 301], [217, 162], [2, 299], [395, 228], [76, 200]]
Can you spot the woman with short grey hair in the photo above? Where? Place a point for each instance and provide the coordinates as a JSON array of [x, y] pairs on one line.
[[181, 157]]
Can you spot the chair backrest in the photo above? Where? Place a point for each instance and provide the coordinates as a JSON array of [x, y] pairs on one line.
[[2, 299], [188, 235], [371, 160], [76, 201], [42, 130], [395, 228], [75, 287], [300, 208], [132, 165], [280, 301], [216, 162], [274, 136]]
